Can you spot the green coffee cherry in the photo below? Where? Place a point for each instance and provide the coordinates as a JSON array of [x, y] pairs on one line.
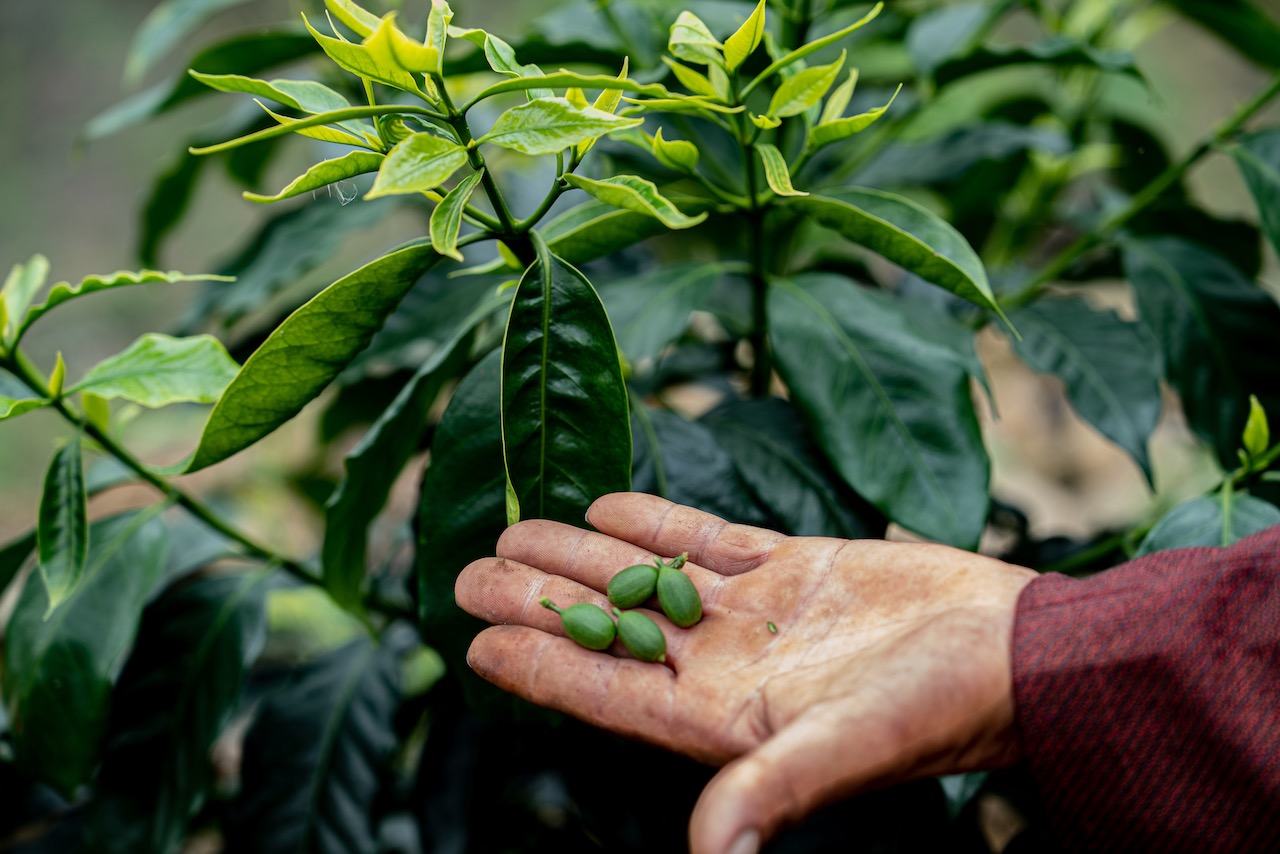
[[633, 585], [641, 636], [678, 597], [585, 623]]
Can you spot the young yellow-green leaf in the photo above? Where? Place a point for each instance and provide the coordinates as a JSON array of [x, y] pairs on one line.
[[826, 133], [438, 21], [321, 133], [96, 410], [361, 21], [802, 90], [691, 41], [608, 101], [633, 193], [564, 78], [720, 82], [421, 162], [20, 288], [810, 49], [62, 532], [742, 43], [370, 64], [58, 377], [839, 100], [446, 219], [574, 95], [324, 173], [157, 370], [306, 95], [502, 59], [12, 407], [1257, 433], [390, 47], [548, 125], [776, 171], [695, 81], [678, 154], [696, 105], [764, 122]]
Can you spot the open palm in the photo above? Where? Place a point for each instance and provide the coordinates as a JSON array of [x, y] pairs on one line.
[[890, 661]]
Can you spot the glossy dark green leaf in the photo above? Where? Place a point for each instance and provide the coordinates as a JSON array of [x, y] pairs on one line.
[[890, 407], [306, 352], [1258, 156], [178, 691], [905, 233], [63, 529], [1242, 24], [59, 672], [596, 229], [652, 309], [1201, 522], [13, 555], [164, 27], [1217, 330], [783, 466], [1111, 368], [373, 465], [316, 755], [1055, 52], [566, 432]]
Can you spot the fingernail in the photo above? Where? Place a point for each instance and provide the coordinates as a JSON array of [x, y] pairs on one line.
[[748, 842]]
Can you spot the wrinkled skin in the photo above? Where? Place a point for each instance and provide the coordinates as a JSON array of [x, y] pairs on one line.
[[891, 661]]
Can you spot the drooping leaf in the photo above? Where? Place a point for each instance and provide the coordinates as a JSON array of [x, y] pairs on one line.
[[324, 173], [316, 755], [157, 370], [548, 125], [804, 89], [59, 672], [826, 132], [906, 234], [695, 81], [178, 691], [634, 193], [890, 407], [420, 162], [1258, 156], [16, 295], [1240, 23], [63, 529], [361, 21], [1201, 522], [164, 27], [691, 41], [1056, 52], [1111, 368], [366, 63], [745, 39], [679, 154], [446, 219], [309, 96], [776, 171], [565, 428], [391, 48], [652, 309], [373, 465], [784, 468], [1217, 331], [307, 351]]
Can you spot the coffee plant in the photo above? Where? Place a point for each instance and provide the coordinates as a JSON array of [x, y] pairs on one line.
[[806, 209]]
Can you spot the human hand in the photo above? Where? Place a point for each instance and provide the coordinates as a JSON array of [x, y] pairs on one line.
[[891, 661]]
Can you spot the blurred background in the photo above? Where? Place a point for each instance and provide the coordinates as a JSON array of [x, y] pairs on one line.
[[62, 63]]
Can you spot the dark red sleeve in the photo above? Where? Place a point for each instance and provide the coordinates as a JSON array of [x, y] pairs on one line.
[[1148, 700]]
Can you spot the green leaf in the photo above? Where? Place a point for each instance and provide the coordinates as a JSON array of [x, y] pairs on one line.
[[596, 229], [373, 465], [391, 48], [59, 672], [691, 41], [1240, 23], [746, 39], [804, 89], [1217, 331], [1111, 368], [318, 753], [13, 555], [58, 376], [548, 125], [906, 234], [1056, 52], [361, 21], [786, 471], [565, 79], [164, 27], [13, 407], [365, 62], [311, 129], [890, 407], [694, 81], [764, 122], [826, 132], [652, 309], [1200, 522], [19, 290], [324, 173], [776, 171], [65, 291], [1258, 157], [501, 57], [945, 32], [1257, 433], [177, 693], [157, 370], [810, 49], [692, 105], [420, 162], [678, 154], [839, 100], [63, 529], [446, 219], [634, 193], [438, 21], [306, 352], [306, 95], [565, 428]]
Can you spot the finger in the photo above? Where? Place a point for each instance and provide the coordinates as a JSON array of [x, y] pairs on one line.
[[625, 696], [499, 590], [669, 529]]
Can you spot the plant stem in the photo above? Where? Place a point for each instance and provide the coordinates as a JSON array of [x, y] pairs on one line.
[[1065, 259]]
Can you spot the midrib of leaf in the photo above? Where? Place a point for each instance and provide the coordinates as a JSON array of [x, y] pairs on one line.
[[545, 359], [925, 473]]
